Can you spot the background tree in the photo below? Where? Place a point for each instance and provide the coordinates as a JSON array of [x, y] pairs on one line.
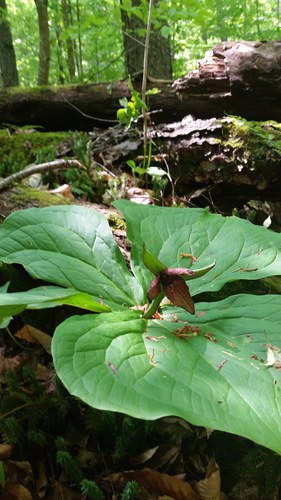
[[95, 28], [44, 41], [67, 21], [134, 20], [8, 66]]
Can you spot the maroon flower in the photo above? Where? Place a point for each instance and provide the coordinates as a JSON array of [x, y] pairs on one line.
[[174, 287]]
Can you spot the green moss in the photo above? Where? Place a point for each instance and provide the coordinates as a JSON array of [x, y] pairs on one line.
[[26, 195], [263, 467], [261, 140], [19, 150]]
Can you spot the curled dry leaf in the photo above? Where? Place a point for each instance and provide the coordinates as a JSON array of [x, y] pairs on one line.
[[5, 451], [156, 483], [14, 491], [35, 336], [157, 457], [210, 487], [64, 190]]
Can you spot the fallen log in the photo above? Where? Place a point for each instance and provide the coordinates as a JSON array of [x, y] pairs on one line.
[[238, 78], [224, 152]]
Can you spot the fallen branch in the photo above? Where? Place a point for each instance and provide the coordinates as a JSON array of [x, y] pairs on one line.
[[35, 169]]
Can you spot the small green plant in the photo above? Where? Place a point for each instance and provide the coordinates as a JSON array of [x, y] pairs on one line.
[[69, 465], [131, 110], [90, 490], [46, 154], [130, 491], [214, 363]]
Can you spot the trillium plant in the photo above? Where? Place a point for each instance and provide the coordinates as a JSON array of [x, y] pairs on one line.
[[145, 340]]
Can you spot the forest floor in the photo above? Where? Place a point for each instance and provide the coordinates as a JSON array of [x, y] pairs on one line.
[[55, 447]]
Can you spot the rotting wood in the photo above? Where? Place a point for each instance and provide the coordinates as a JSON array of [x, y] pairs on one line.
[[239, 78]]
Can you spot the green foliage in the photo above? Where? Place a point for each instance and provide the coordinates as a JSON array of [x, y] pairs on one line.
[[131, 110], [14, 162], [2, 474], [191, 26], [46, 154], [91, 490], [19, 150], [82, 147], [69, 465], [263, 137], [12, 431], [218, 368], [130, 491], [37, 438]]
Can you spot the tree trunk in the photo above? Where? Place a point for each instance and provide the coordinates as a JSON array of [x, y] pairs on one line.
[[235, 78], [79, 42], [8, 66], [159, 62], [44, 43], [65, 5]]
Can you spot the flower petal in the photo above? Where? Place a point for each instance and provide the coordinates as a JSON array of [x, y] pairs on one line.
[[177, 292], [178, 271], [154, 288]]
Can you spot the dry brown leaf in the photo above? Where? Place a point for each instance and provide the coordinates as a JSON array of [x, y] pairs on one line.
[[157, 483], [64, 190], [14, 491], [5, 451], [141, 196], [157, 457], [19, 471], [210, 487], [41, 483], [61, 492], [35, 336]]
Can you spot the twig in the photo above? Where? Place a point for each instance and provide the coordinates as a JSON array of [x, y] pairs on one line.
[[86, 115], [35, 169]]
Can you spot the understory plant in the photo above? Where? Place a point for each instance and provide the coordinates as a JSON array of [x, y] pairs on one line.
[[214, 363]]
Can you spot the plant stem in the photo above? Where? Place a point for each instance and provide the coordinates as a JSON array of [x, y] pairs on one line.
[[16, 341], [154, 305]]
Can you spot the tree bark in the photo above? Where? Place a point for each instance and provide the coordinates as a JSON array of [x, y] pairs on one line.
[[79, 107], [44, 41], [65, 5], [239, 78], [159, 62], [8, 65]]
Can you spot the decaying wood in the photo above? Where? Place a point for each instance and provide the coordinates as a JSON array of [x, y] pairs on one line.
[[40, 168], [77, 107], [239, 78], [226, 151]]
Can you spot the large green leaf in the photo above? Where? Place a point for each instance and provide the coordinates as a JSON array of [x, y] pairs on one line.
[[73, 247], [217, 378], [45, 297], [240, 249]]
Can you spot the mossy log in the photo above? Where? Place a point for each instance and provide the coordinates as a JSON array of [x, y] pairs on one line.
[[224, 152], [239, 78]]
